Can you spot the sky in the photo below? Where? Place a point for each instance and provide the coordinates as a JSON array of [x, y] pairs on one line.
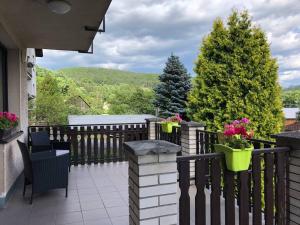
[[141, 34]]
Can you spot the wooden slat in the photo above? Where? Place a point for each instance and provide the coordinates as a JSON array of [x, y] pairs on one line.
[[126, 138], [268, 186], [82, 145], [157, 132], [89, 145], [102, 130], [206, 145], [244, 199], [200, 200], [215, 208], [108, 145], [54, 130], [115, 159], [96, 146], [201, 143], [121, 139], [184, 185], [62, 133], [144, 132], [280, 188], [74, 142], [229, 198], [256, 173], [132, 133]]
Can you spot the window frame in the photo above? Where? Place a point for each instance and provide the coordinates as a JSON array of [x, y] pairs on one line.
[[5, 82]]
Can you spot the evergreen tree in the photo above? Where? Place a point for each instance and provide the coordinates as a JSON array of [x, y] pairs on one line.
[[175, 83], [237, 77]]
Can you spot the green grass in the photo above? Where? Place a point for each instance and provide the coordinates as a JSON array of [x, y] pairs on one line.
[[111, 76]]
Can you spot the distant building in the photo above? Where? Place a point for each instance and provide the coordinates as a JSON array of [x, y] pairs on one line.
[[291, 123], [107, 119]]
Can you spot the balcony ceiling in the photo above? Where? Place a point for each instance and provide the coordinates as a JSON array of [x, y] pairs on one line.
[[33, 25]]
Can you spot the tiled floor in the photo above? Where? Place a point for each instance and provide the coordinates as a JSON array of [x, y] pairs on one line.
[[98, 195]]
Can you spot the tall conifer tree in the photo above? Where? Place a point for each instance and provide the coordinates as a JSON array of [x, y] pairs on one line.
[[237, 77], [175, 83]]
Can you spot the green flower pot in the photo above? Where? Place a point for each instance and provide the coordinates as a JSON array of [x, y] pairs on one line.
[[236, 159], [167, 127]]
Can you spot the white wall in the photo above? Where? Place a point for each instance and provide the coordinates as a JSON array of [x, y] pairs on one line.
[[11, 164]]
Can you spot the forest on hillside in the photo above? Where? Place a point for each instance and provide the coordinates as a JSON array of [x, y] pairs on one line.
[[82, 91], [79, 91]]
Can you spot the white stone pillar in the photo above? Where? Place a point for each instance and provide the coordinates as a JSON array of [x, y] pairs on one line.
[[188, 141], [151, 127], [152, 182]]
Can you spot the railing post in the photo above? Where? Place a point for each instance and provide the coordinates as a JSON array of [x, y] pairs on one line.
[[151, 127], [292, 190], [188, 141], [152, 182]]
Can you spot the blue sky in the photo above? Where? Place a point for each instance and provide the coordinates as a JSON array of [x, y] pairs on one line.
[[141, 34]]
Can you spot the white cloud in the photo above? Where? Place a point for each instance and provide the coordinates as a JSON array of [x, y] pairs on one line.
[[289, 62], [113, 66], [290, 75], [141, 34]]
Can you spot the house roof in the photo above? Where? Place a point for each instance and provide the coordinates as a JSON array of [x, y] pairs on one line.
[[107, 119], [292, 127], [32, 25], [290, 113]]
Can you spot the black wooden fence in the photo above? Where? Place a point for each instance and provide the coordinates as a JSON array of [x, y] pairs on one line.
[[206, 139], [174, 137], [261, 190], [95, 143]]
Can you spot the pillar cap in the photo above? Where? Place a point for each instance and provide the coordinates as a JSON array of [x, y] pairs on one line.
[[151, 147], [193, 124], [292, 135], [153, 119]]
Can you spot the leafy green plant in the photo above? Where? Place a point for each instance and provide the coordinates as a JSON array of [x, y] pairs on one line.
[[237, 77], [8, 120]]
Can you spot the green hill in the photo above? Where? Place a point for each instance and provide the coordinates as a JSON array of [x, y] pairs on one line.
[[110, 76]]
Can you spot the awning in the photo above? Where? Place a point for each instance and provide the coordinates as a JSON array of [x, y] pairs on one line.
[[32, 25]]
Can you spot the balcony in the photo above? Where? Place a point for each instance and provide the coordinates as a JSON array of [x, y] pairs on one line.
[[206, 192]]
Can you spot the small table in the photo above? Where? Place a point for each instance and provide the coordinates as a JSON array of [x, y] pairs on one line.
[[48, 154]]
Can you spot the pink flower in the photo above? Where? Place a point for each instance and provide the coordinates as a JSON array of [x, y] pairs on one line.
[[178, 117], [230, 130], [245, 120], [236, 122]]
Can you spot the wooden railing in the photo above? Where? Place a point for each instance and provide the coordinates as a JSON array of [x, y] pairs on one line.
[[256, 196], [95, 143], [206, 139], [174, 137]]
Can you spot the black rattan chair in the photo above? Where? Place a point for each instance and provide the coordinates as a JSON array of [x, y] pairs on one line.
[[44, 170], [40, 142]]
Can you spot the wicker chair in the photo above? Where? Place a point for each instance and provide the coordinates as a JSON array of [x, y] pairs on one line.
[[44, 171], [40, 141]]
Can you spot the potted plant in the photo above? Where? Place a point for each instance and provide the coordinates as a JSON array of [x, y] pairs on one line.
[[170, 122], [236, 145], [8, 123]]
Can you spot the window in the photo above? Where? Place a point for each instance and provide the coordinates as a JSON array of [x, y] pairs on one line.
[[3, 79]]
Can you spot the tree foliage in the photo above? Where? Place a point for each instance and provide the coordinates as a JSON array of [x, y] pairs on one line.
[[237, 77], [171, 92], [291, 98], [59, 95]]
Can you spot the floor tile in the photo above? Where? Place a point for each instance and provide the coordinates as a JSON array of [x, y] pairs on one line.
[[94, 214], [118, 211], [64, 218]]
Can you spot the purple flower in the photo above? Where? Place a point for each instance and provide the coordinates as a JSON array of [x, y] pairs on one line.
[[245, 120]]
